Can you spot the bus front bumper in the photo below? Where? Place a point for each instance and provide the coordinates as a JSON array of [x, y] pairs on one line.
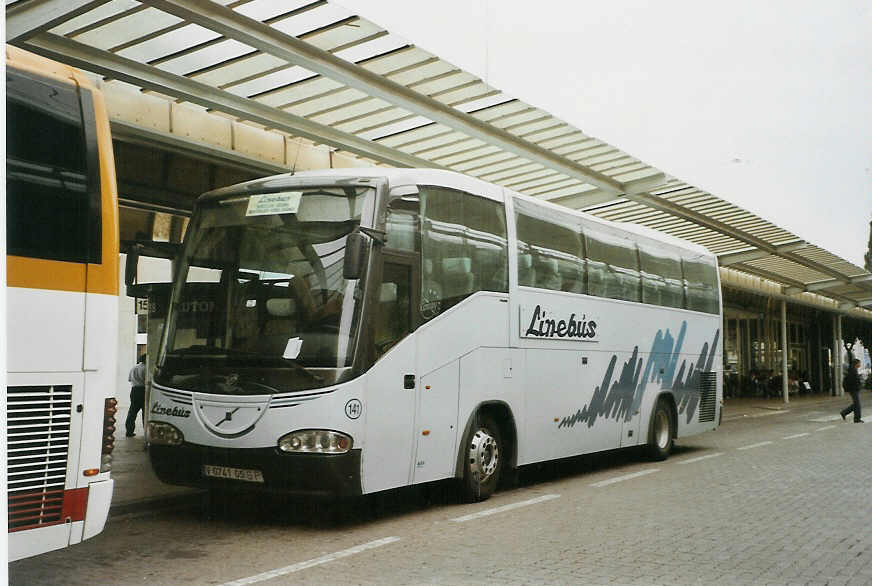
[[327, 475]]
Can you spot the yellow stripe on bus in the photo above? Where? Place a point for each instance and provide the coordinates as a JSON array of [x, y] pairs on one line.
[[37, 273]]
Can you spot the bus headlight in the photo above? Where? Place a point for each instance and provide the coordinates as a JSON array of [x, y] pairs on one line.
[[315, 441], [164, 434]]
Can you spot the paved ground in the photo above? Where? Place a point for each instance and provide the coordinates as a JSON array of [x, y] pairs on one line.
[[775, 496]]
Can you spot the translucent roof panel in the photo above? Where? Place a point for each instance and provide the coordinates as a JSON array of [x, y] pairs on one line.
[[264, 10], [174, 41], [375, 94], [108, 10], [136, 25], [206, 57]]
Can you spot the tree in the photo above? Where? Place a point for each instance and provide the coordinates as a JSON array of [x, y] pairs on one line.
[[868, 256]]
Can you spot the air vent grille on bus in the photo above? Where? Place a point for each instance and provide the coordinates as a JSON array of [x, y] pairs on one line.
[[38, 438], [708, 395]]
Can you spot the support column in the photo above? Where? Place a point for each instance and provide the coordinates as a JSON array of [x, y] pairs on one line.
[[837, 355], [785, 387], [820, 355]]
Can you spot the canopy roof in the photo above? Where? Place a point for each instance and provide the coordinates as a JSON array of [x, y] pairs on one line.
[[312, 69]]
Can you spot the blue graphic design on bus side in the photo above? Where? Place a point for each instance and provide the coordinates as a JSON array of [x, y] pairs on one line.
[[624, 397]]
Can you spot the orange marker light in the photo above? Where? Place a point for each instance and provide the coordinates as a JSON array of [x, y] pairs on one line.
[[425, 432], [91, 472]]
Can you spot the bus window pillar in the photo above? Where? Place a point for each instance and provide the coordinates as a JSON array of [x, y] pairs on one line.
[[784, 345]]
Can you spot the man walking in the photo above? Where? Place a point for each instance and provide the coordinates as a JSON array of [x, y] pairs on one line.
[[137, 394], [852, 386]]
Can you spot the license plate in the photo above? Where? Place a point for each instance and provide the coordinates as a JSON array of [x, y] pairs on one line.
[[232, 473]]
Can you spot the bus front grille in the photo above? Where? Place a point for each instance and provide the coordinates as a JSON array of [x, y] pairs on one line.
[[708, 395], [38, 435]]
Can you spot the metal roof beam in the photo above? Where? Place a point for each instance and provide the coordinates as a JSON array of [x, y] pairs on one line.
[[779, 279], [698, 218], [584, 199], [732, 258], [270, 40], [31, 17], [829, 283], [793, 284], [117, 67], [135, 134]]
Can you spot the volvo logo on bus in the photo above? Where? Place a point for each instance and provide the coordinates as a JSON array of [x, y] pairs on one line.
[[229, 418], [544, 324]]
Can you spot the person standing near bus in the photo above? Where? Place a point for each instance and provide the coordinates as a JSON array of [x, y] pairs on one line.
[[137, 395], [852, 386]]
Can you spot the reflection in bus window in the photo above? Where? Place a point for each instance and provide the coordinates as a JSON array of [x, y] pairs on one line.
[[612, 266], [464, 248], [47, 191], [701, 282], [550, 254], [661, 277], [393, 317]]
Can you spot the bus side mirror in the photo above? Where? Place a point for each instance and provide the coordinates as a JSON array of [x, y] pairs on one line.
[[131, 266], [355, 255]]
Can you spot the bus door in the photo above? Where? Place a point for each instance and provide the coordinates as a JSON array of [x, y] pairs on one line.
[[392, 381]]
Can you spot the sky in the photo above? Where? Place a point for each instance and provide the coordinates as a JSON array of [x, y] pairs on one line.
[[767, 105]]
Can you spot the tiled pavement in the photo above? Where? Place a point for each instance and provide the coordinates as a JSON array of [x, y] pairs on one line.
[[779, 495]]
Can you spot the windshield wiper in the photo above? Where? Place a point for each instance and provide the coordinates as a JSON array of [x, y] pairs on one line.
[[214, 351]]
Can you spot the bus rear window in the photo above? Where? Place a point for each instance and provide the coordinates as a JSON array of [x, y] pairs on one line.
[[48, 198]]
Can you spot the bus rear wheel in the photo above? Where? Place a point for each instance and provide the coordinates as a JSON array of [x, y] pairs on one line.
[[661, 431], [484, 454]]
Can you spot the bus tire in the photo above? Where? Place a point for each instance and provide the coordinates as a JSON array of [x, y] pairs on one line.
[[484, 455], [661, 431]]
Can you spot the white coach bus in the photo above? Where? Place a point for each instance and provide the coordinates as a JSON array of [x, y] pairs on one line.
[[347, 332], [62, 305]]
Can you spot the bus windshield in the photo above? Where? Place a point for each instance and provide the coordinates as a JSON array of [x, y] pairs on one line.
[[259, 303]]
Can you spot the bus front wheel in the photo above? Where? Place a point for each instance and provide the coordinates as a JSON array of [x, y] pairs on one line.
[[661, 431], [484, 454]]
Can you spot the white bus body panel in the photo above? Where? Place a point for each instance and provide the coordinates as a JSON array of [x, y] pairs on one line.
[[48, 330], [99, 499], [388, 412], [32, 542], [446, 349], [587, 395], [436, 424], [101, 337]]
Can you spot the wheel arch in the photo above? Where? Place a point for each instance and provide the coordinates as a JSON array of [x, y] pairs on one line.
[[502, 414]]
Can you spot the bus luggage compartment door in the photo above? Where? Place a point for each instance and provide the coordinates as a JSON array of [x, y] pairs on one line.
[[435, 424]]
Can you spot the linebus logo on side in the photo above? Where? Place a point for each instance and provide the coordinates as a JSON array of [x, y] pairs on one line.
[[544, 324]]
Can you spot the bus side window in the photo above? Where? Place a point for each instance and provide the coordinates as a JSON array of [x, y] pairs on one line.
[[48, 197], [701, 284], [550, 254], [401, 224], [394, 316], [613, 267], [464, 248], [661, 277]]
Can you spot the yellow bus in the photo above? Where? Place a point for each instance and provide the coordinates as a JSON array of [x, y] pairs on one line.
[[62, 305]]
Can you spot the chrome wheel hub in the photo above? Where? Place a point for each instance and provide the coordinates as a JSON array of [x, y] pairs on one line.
[[661, 429], [484, 455]]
